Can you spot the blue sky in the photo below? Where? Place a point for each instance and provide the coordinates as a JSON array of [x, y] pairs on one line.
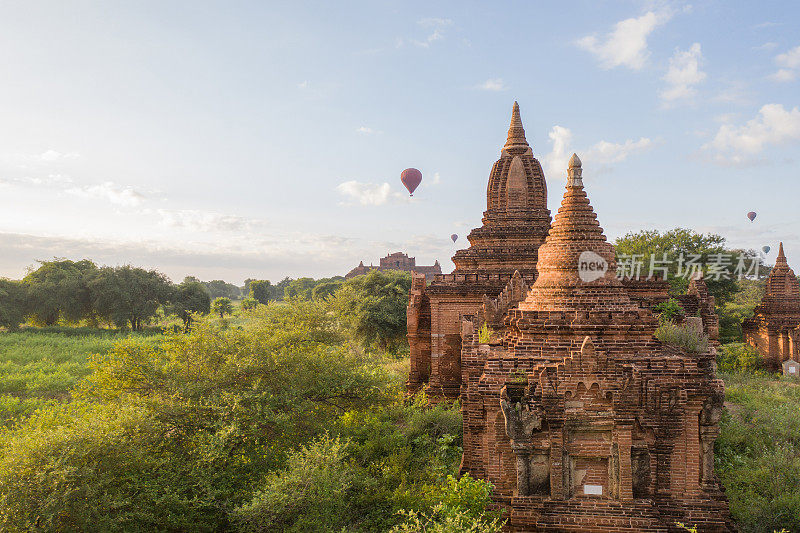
[[257, 139]]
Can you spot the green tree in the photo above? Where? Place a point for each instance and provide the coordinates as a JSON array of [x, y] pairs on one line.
[[299, 288], [222, 289], [260, 290], [222, 306], [128, 295], [12, 303], [685, 242], [375, 306], [280, 287], [59, 289], [190, 297], [248, 304]]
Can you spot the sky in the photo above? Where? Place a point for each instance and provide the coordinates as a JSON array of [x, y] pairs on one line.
[[232, 140]]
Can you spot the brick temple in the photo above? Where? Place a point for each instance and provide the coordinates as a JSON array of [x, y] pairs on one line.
[[397, 261], [515, 224], [580, 418], [773, 328]]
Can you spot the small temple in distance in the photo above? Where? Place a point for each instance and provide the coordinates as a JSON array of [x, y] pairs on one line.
[[397, 261], [574, 411], [773, 329]]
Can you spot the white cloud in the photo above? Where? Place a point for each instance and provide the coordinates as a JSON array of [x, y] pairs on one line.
[[303, 85], [52, 155], [367, 193], [110, 192], [737, 145], [626, 45], [436, 180], [683, 74], [556, 161], [600, 154], [436, 25], [769, 45], [783, 75], [205, 221], [365, 130], [493, 84], [789, 63]]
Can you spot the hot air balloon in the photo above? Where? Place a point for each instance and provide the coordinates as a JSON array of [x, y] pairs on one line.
[[411, 178], [766, 249], [454, 237], [751, 215]]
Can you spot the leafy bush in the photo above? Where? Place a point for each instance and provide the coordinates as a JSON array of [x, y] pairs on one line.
[[462, 507], [374, 306], [682, 336], [669, 310], [310, 494], [738, 357], [249, 303]]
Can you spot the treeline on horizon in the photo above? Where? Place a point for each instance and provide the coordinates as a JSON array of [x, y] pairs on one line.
[[66, 292]]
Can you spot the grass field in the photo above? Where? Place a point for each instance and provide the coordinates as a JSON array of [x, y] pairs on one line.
[[41, 366]]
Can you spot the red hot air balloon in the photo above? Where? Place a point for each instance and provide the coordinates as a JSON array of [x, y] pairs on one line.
[[454, 237], [411, 178], [751, 215]]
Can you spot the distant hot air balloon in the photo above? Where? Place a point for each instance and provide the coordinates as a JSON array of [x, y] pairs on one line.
[[766, 249], [751, 215], [454, 237], [411, 178]]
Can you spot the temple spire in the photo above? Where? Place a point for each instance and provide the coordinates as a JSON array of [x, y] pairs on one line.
[[516, 133], [574, 172], [781, 257]]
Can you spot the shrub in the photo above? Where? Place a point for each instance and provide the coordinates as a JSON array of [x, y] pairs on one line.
[[310, 494], [669, 310], [462, 507], [249, 303], [738, 357], [682, 336]]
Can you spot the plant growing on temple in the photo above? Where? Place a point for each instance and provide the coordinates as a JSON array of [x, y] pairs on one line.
[[669, 310], [682, 337], [222, 306], [485, 334]]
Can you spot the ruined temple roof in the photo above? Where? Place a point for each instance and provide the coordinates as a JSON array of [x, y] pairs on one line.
[[782, 290], [516, 219], [576, 268]]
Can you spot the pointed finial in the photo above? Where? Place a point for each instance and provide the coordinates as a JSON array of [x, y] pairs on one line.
[[781, 257], [574, 172], [516, 133]]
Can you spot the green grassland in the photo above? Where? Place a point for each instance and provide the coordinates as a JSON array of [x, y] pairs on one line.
[[41, 366]]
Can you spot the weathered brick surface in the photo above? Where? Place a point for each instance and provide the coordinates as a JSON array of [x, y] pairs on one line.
[[773, 329]]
